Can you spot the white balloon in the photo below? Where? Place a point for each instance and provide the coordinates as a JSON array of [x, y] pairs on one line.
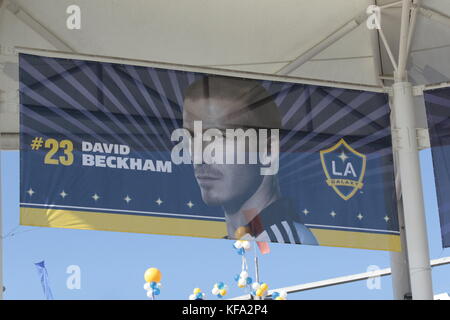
[[147, 286], [192, 297], [283, 294], [246, 245], [244, 274], [255, 286], [238, 244], [242, 282], [159, 285], [215, 291], [149, 294]]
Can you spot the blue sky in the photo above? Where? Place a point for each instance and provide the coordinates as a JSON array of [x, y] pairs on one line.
[[112, 263]]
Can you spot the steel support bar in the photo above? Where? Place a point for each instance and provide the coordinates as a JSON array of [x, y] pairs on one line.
[[435, 16], [191, 68], [343, 279], [388, 49], [322, 45], [401, 283], [423, 88], [404, 29], [393, 4], [404, 127], [40, 29], [412, 27], [375, 46], [1, 230]]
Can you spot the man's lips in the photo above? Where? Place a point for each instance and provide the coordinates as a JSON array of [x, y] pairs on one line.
[[208, 177]]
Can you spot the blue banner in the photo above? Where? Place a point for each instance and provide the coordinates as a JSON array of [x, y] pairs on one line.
[[137, 149], [43, 276], [438, 114]]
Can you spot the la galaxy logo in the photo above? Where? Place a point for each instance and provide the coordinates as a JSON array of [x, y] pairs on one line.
[[344, 168]]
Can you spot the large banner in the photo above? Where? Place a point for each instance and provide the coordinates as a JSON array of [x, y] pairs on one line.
[[438, 113], [137, 149]]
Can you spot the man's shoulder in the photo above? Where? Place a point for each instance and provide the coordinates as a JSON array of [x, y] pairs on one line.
[[305, 234]]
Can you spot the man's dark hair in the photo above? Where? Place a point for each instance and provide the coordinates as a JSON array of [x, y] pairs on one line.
[[253, 105]]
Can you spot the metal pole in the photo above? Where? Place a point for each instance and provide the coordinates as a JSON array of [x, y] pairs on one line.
[[404, 36], [401, 283], [256, 270], [322, 45], [411, 184], [1, 230], [204, 69], [342, 280]]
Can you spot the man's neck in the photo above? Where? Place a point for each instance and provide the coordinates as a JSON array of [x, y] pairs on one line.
[[267, 193]]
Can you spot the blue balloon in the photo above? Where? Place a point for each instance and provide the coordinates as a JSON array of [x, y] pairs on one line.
[[219, 296], [153, 285], [241, 251], [249, 280], [275, 295], [236, 278], [199, 296], [220, 285], [156, 291]]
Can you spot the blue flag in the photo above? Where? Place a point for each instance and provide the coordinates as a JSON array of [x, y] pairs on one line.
[[43, 275], [438, 113]]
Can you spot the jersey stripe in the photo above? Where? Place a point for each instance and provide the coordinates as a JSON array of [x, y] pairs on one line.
[[288, 231]]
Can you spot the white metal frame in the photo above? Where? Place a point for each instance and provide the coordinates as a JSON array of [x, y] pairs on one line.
[[192, 68], [38, 27], [342, 280]]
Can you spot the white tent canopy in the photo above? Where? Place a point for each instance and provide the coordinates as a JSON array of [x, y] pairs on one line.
[[325, 41]]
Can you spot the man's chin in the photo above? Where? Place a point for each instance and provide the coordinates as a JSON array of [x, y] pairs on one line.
[[213, 197], [212, 200]]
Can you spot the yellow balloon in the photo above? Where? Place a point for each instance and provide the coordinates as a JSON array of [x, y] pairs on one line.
[[264, 287], [223, 292], [279, 298], [197, 290], [241, 285], [259, 292], [240, 232], [152, 275]]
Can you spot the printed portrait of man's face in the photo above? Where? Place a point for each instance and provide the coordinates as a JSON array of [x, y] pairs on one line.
[[228, 103]]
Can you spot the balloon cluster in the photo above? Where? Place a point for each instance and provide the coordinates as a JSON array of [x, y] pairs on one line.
[[279, 295], [197, 294], [242, 246], [219, 289], [259, 289], [152, 277], [243, 279]]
